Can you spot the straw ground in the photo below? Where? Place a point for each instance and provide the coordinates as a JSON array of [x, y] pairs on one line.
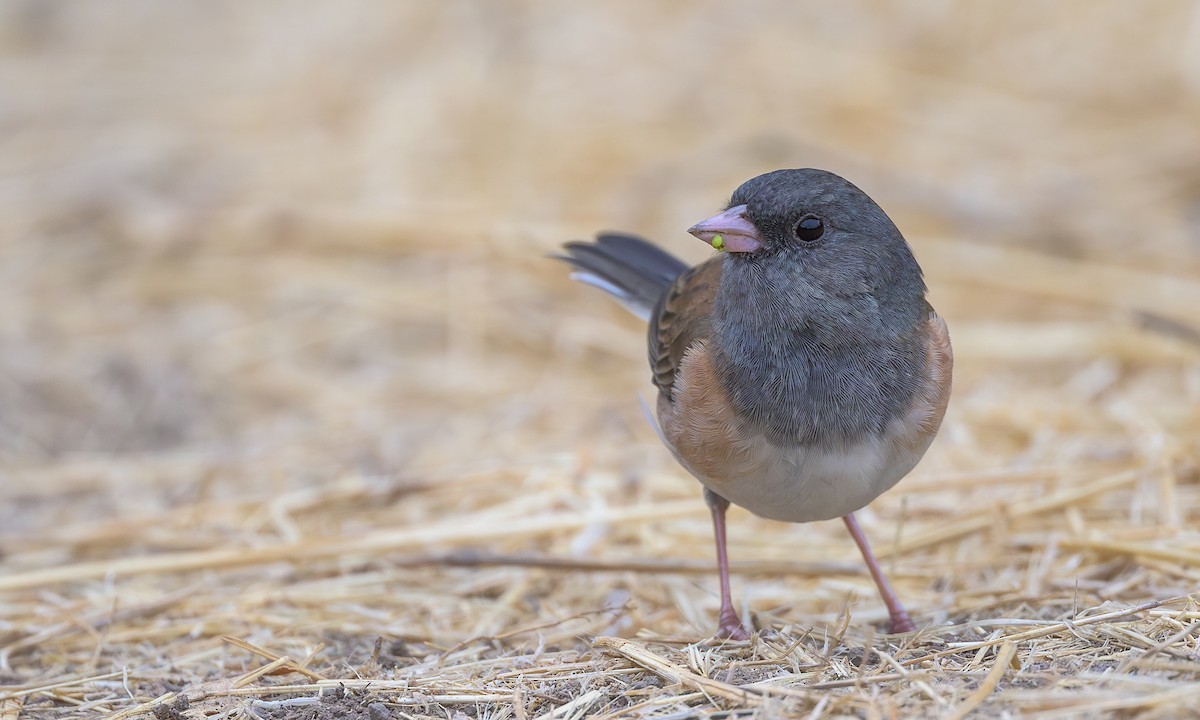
[[297, 421]]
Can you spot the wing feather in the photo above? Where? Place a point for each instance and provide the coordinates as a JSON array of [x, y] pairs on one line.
[[681, 318]]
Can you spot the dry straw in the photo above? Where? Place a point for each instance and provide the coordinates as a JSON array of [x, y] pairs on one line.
[[296, 419]]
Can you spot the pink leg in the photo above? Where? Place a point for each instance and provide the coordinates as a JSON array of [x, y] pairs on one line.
[[900, 621], [730, 626]]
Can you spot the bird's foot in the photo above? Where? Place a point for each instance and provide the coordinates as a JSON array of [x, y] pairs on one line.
[[731, 627], [901, 623]]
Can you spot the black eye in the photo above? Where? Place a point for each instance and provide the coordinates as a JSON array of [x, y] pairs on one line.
[[810, 229]]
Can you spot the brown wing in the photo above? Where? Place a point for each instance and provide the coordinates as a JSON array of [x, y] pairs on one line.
[[931, 404], [681, 318]]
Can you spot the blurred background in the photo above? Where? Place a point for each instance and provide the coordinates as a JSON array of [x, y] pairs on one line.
[[250, 249]]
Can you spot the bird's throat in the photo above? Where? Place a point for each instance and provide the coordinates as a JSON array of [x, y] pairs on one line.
[[801, 369]]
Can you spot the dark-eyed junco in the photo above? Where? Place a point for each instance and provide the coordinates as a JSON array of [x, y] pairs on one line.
[[801, 372]]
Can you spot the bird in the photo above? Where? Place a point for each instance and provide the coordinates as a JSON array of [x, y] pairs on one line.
[[801, 371]]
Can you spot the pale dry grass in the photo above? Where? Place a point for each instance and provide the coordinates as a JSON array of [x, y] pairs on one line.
[[296, 419]]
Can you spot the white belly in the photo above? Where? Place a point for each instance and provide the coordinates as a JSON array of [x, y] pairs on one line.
[[794, 483], [802, 484]]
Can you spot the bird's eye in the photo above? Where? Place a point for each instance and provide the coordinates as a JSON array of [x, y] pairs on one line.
[[810, 229]]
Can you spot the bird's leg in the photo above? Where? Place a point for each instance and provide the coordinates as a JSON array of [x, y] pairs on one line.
[[730, 626], [899, 622]]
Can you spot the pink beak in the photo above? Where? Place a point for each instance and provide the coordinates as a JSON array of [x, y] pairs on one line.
[[729, 231]]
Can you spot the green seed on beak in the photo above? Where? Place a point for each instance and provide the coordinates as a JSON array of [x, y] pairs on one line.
[[718, 242]]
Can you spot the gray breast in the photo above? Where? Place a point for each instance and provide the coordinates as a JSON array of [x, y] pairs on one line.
[[797, 389]]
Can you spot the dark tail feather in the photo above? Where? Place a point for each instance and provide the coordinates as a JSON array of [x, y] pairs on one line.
[[630, 269]]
